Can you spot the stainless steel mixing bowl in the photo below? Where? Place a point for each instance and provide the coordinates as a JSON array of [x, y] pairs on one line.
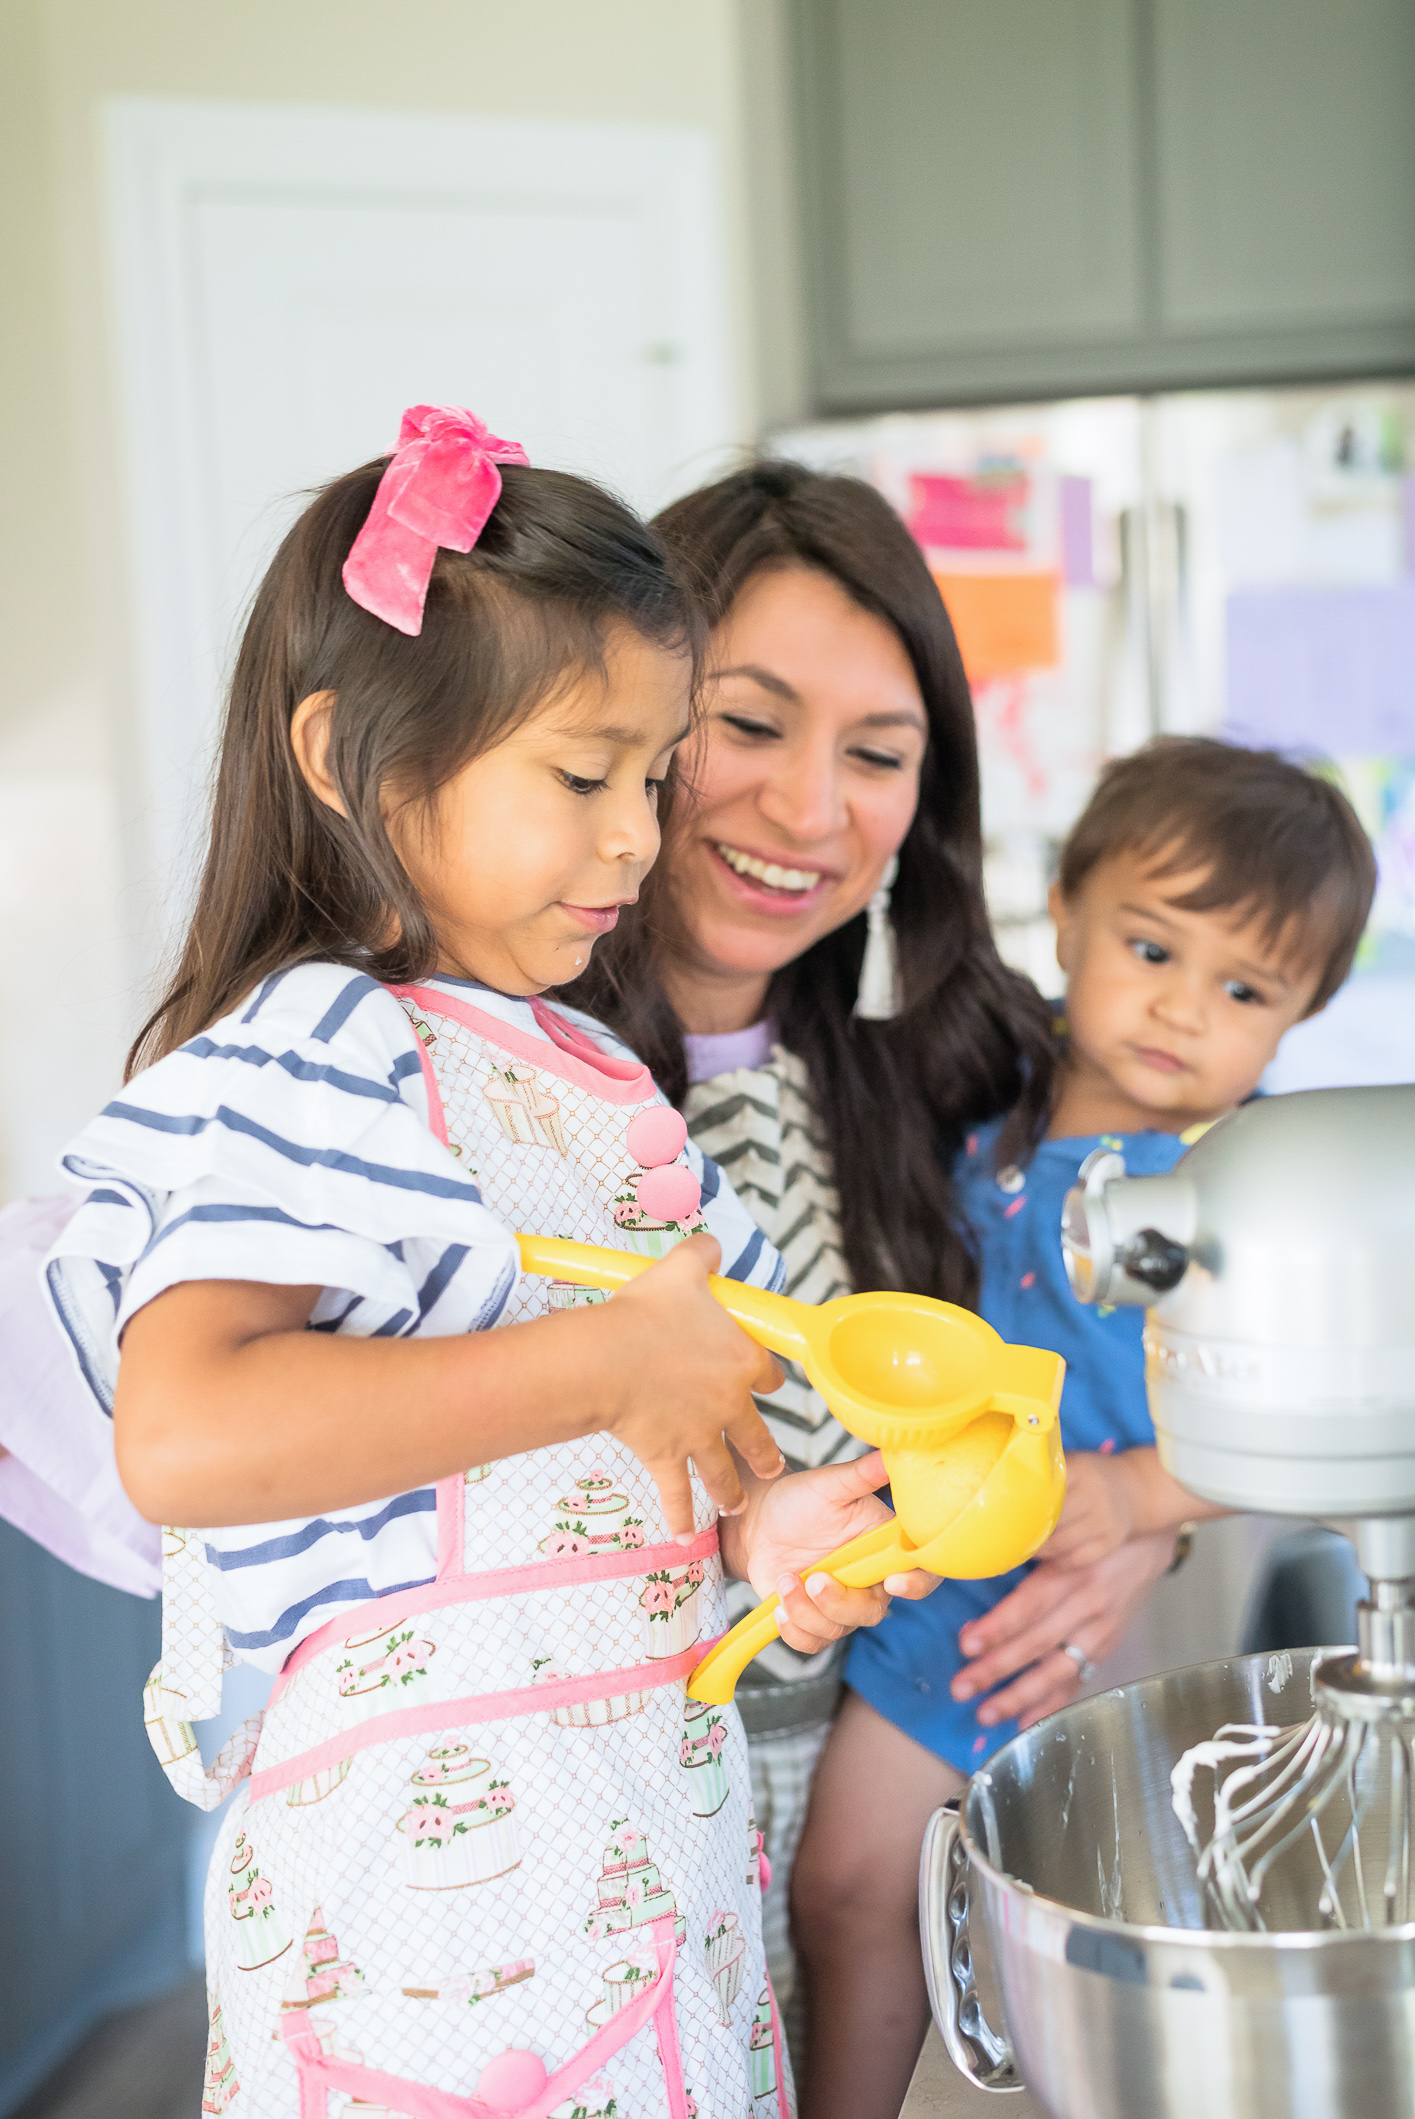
[[1118, 2003]]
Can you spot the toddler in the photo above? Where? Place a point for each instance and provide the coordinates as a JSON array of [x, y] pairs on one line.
[[1208, 898]]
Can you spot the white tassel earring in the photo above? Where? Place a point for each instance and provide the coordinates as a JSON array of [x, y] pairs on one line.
[[879, 997]]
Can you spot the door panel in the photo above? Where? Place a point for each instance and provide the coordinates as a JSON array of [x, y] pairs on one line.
[[1286, 163], [289, 279], [972, 174]]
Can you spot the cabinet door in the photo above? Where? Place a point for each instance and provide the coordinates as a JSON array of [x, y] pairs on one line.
[[1038, 198], [92, 1840], [1286, 179], [971, 191]]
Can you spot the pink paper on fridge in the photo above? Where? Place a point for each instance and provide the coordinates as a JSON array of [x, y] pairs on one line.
[[984, 513]]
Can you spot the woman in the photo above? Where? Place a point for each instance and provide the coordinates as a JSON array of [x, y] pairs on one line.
[[838, 746]]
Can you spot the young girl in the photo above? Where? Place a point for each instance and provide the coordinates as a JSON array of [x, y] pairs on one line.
[[480, 1864]]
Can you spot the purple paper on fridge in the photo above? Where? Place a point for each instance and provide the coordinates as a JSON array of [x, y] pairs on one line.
[[1323, 669]]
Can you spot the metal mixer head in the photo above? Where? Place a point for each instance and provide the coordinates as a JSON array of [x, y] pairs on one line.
[[1275, 1261], [1333, 1797]]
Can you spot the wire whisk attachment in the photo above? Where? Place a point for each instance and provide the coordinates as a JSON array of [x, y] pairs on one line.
[[1312, 1822], [1337, 1789]]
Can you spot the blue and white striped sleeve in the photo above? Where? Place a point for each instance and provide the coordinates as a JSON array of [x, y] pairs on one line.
[[288, 1144]]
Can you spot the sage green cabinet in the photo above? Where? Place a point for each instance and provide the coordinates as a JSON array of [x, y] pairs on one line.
[[1018, 198]]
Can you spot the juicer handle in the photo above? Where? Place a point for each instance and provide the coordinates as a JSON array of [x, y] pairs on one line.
[[772, 1320], [974, 2047], [858, 1565]]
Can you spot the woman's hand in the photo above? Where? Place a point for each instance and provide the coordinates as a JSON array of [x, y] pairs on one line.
[[1085, 1607], [1110, 1499], [1100, 1509], [788, 1526], [683, 1375]]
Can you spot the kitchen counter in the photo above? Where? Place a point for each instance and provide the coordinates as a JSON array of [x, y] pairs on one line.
[[938, 2091]]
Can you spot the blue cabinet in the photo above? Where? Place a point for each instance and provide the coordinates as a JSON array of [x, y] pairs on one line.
[[93, 1843]]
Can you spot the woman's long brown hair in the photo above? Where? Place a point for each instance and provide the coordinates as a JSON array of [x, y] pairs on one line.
[[974, 1039], [288, 880]]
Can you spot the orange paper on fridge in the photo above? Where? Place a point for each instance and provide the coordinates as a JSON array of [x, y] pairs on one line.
[[1006, 623]]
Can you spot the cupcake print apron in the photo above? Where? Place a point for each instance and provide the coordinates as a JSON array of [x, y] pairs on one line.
[[484, 1857]]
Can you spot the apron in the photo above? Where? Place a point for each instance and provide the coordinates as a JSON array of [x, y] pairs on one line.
[[484, 1858]]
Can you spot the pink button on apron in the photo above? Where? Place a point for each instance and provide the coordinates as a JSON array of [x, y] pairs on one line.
[[673, 1194], [656, 1135], [512, 2081]]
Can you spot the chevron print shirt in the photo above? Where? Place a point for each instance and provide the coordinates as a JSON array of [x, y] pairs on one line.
[[759, 1124]]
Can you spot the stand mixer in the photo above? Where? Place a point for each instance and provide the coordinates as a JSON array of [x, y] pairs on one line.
[[1278, 1264]]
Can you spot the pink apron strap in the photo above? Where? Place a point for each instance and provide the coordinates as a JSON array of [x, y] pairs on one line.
[[461, 1588], [665, 2019], [319, 2073], [781, 2104], [436, 1116], [560, 1049], [451, 1528], [433, 1716], [573, 1040]]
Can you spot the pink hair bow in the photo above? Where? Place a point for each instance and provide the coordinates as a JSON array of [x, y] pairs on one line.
[[440, 486]]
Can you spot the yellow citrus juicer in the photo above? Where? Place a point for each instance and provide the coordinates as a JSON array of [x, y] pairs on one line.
[[967, 1425]]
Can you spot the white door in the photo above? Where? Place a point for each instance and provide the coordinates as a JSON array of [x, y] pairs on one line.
[[289, 279]]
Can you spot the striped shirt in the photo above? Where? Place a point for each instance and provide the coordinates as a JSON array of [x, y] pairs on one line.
[[292, 1144], [760, 1124]]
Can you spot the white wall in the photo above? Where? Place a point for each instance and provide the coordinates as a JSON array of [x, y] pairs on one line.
[[69, 809]]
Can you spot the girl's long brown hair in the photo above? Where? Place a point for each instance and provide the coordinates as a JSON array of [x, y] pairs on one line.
[[288, 880], [895, 1099]]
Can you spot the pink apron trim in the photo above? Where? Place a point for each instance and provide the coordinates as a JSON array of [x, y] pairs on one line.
[[665, 2019], [583, 1064], [436, 1117], [776, 2049], [451, 1521], [582, 1047], [435, 1715], [459, 1588], [319, 2074]]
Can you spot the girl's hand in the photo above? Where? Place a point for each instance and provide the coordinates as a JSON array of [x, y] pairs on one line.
[[680, 1376], [1088, 1608], [787, 1527]]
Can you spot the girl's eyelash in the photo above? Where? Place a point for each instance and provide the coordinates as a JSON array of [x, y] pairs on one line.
[[747, 726], [577, 786], [888, 760]]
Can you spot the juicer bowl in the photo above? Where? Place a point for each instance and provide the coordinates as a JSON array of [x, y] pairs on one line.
[[1117, 2002], [984, 1503]]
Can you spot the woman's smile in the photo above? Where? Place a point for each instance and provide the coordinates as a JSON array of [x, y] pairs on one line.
[[774, 882]]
